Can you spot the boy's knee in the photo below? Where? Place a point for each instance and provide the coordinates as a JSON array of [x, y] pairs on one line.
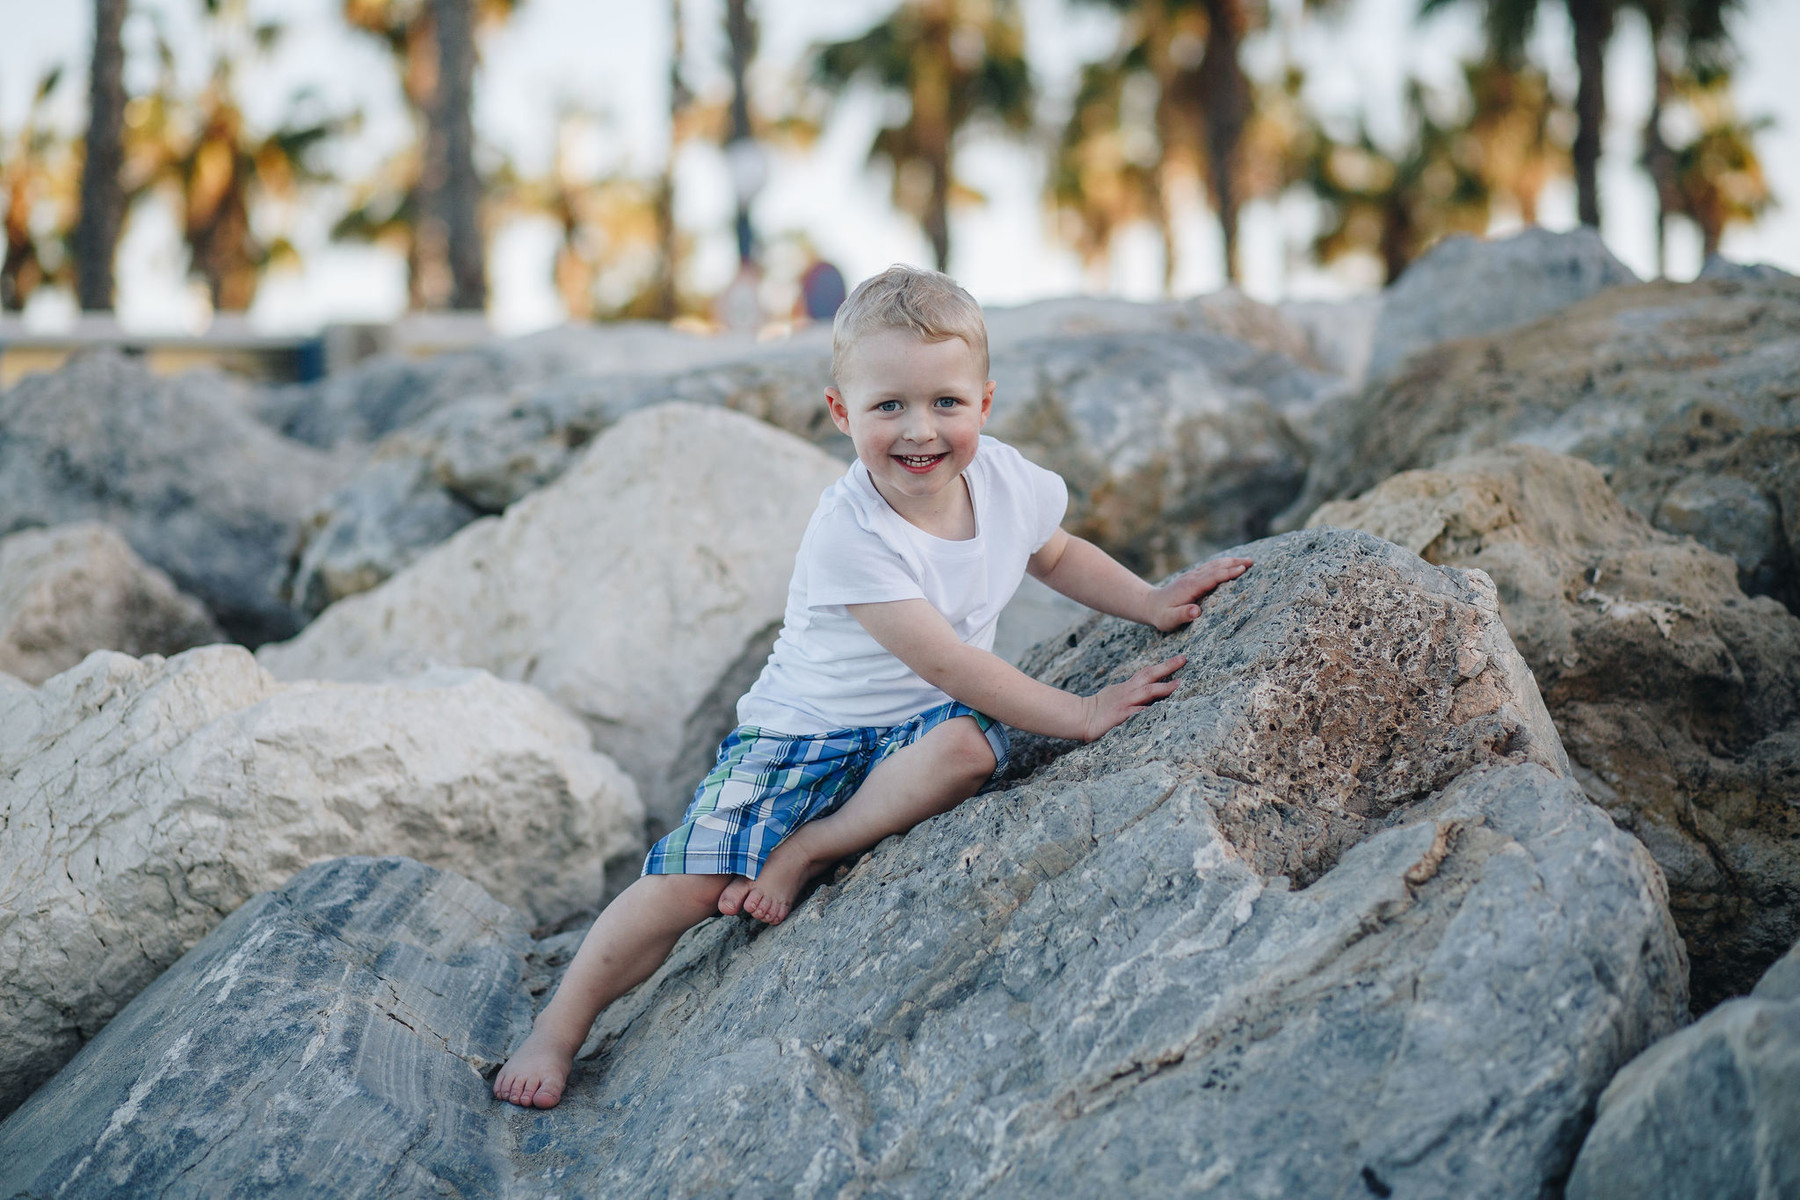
[[967, 750]]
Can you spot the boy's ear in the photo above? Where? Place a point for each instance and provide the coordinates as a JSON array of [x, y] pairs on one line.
[[987, 401], [840, 412]]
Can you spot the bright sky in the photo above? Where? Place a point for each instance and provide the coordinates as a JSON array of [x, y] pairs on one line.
[[610, 56]]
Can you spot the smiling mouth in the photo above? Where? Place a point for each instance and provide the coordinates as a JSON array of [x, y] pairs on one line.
[[918, 464]]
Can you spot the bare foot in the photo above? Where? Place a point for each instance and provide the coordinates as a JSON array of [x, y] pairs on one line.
[[771, 897], [731, 900], [534, 1076]]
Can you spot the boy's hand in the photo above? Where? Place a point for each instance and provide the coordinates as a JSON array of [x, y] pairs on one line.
[[1177, 602], [1110, 706]]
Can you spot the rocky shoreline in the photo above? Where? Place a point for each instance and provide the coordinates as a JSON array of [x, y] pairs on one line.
[[1465, 862]]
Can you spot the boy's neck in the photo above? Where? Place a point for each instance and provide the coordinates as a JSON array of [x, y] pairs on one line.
[[949, 515]]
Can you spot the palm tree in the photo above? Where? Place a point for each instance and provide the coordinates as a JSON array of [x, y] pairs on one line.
[[1172, 104], [1395, 204], [609, 255], [428, 198], [202, 150], [102, 219], [954, 61], [37, 171], [1513, 122], [1509, 23], [1719, 180], [1684, 34], [1691, 56]]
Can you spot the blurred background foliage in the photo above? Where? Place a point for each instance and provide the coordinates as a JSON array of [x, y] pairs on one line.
[[1169, 114]]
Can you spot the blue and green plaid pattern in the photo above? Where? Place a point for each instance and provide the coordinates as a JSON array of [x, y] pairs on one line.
[[765, 785]]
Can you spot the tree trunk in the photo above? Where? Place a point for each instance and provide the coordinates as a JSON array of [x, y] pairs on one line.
[[458, 199], [1592, 21], [96, 237], [1659, 159], [932, 81], [740, 32], [1226, 108], [667, 298]]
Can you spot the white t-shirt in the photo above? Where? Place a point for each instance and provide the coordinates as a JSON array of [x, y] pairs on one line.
[[826, 672]]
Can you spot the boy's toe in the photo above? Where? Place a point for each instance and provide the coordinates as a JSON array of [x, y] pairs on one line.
[[731, 900]]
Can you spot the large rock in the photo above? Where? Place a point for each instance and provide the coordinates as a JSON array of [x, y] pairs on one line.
[[377, 397], [625, 590], [1687, 395], [1711, 1113], [68, 591], [1678, 697], [141, 800], [1181, 428], [198, 487], [1329, 922], [1465, 286]]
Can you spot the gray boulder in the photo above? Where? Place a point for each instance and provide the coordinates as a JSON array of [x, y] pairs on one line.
[[1465, 286], [69, 591], [141, 800], [198, 487], [1330, 921], [377, 397], [1717, 266], [1686, 394], [1711, 1113]]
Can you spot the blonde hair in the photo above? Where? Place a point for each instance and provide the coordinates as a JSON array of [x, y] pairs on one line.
[[929, 304]]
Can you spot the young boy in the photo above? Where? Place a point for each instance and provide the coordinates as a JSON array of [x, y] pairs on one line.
[[880, 705]]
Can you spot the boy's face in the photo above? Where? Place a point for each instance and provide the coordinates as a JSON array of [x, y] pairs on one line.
[[915, 410]]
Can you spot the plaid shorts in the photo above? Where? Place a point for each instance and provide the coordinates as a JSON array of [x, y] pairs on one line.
[[765, 785]]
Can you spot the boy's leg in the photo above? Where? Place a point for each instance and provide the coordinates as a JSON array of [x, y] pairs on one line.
[[933, 775], [628, 941]]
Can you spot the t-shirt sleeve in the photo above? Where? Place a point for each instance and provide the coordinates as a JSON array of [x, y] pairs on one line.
[[1052, 496], [848, 564]]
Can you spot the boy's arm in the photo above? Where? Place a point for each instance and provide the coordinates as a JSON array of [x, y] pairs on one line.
[[917, 634], [1089, 575]]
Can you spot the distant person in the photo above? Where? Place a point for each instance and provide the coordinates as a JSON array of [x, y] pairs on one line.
[[821, 291], [881, 703], [739, 306]]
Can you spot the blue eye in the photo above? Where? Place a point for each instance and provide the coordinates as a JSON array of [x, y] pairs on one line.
[[888, 406], [948, 401]]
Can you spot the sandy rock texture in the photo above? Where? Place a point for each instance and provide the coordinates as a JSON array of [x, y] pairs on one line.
[[1710, 1113], [142, 800], [68, 591], [199, 487], [625, 590], [1181, 427], [1465, 286], [1330, 922], [1677, 697], [1686, 395]]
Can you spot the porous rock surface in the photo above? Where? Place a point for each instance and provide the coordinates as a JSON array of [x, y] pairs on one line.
[[1465, 286], [1329, 922], [1677, 697], [625, 590], [141, 800], [1181, 428], [1709, 1113], [1687, 395], [199, 487], [68, 591]]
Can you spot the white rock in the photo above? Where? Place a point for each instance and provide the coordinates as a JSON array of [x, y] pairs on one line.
[[142, 800], [68, 591], [625, 589]]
